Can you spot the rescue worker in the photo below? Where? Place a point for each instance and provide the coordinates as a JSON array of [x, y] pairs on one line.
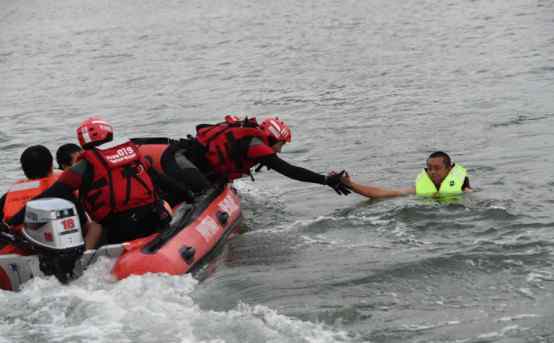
[[440, 178], [115, 186], [193, 165], [36, 162], [67, 155], [228, 150], [37, 165]]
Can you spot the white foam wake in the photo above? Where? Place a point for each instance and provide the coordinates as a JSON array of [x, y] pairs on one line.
[[149, 308]]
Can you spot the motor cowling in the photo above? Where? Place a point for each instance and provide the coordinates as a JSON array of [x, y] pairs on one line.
[[53, 229]]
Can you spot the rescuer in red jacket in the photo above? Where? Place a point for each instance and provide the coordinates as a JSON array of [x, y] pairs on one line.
[[115, 186], [230, 149]]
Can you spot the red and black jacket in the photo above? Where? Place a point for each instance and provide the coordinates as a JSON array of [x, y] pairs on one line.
[[230, 148], [120, 181]]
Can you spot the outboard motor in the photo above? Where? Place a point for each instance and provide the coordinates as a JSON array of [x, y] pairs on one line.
[[53, 229]]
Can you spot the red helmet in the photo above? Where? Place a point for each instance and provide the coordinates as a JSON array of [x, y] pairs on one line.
[[276, 129], [231, 119], [93, 132]]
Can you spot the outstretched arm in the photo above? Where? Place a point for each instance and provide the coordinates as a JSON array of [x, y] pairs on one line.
[[304, 175], [376, 192], [294, 172]]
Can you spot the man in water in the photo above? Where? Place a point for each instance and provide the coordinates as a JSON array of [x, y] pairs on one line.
[[440, 178]]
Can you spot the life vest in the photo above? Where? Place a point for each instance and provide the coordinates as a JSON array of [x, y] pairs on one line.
[[120, 181], [228, 146], [451, 185], [24, 190], [152, 150]]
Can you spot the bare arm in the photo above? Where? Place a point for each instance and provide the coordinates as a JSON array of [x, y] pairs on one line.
[[376, 192], [93, 236]]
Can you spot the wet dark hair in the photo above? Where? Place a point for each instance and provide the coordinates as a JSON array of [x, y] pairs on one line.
[[36, 162], [445, 158], [63, 155]]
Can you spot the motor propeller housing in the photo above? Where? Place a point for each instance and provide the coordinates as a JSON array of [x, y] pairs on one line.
[[53, 228]]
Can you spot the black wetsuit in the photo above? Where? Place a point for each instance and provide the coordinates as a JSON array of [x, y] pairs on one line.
[[291, 171], [196, 155]]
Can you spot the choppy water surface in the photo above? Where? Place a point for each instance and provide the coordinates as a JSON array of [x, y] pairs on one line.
[[370, 86]]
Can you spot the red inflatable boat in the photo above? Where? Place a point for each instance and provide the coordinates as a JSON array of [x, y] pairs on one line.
[[196, 232]]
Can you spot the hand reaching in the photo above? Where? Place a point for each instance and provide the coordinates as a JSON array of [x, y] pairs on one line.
[[334, 180], [346, 180]]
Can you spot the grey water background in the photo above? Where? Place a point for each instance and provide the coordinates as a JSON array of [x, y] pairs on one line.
[[368, 86]]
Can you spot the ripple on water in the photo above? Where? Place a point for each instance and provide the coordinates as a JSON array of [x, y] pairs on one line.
[[457, 214], [522, 119], [4, 137]]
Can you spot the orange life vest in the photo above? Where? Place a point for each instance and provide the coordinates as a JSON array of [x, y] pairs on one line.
[[24, 190]]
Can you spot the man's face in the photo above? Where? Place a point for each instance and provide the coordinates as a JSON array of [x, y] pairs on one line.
[[437, 169]]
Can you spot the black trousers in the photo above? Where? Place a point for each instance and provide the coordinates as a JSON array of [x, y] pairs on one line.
[[135, 223], [177, 165]]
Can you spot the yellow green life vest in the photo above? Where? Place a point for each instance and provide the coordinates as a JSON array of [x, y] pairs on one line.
[[451, 185]]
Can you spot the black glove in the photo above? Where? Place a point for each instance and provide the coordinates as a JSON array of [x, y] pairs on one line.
[[333, 180]]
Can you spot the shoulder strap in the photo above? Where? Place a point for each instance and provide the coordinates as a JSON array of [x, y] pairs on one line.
[[104, 163]]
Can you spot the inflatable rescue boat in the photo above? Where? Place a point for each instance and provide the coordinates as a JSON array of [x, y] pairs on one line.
[[195, 234]]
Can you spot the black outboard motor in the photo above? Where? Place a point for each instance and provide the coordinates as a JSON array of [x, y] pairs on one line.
[[53, 230]]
